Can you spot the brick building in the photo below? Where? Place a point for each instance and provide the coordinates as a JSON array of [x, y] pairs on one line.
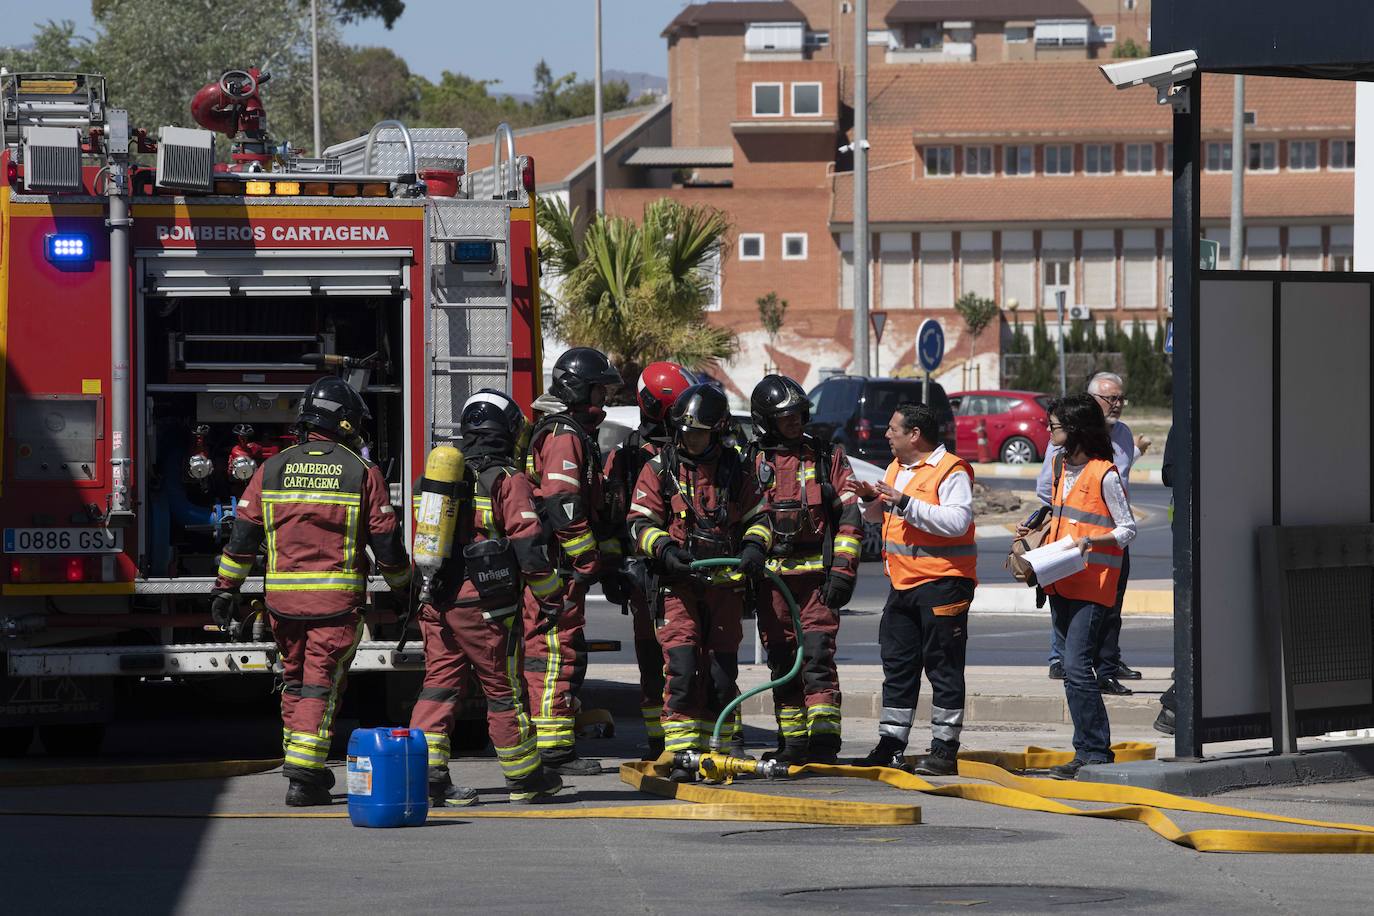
[[1001, 163]]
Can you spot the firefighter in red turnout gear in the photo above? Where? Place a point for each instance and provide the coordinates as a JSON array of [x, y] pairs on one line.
[[318, 505], [632, 586], [473, 624], [696, 500], [817, 534], [565, 465]]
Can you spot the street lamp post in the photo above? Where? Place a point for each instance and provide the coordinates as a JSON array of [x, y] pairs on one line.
[[1059, 297], [861, 265], [315, 69], [600, 119]]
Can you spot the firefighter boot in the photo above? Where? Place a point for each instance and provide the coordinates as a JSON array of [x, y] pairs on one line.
[[889, 753], [444, 794], [303, 794], [541, 785], [943, 760], [793, 742], [571, 765]]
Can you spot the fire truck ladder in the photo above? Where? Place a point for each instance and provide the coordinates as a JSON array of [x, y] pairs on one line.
[[469, 321]]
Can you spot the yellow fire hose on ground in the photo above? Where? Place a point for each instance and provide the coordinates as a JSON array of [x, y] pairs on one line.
[[705, 803]]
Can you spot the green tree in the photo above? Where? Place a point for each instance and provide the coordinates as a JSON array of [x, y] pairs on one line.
[[1129, 48], [55, 47], [977, 313], [563, 97], [772, 312], [461, 101], [638, 292]]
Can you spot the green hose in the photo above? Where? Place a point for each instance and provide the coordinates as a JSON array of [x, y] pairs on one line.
[[796, 626]]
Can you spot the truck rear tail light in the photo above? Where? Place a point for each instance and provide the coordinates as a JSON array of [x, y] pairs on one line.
[[257, 188], [288, 188], [76, 569], [377, 190], [315, 189], [228, 187], [527, 173], [11, 173], [16, 570], [865, 430], [345, 190]]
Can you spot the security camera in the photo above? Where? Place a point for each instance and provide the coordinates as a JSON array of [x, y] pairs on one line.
[[1163, 71], [849, 147]]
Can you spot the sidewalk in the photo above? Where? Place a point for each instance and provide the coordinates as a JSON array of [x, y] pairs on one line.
[[1144, 598], [993, 694], [1146, 470]]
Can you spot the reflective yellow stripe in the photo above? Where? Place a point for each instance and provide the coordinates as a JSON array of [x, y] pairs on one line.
[[796, 564], [579, 545], [610, 548], [306, 496], [762, 532], [230, 569], [649, 538], [326, 580], [546, 586]]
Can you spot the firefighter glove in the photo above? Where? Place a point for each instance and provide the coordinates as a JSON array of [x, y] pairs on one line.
[[677, 560], [838, 589], [751, 559], [614, 587], [224, 605]]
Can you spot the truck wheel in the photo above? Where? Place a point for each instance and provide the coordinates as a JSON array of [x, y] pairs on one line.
[[15, 740], [72, 740]]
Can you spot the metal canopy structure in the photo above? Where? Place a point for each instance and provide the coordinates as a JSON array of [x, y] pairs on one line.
[[1316, 39]]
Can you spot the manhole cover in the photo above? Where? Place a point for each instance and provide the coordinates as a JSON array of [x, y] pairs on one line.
[[998, 897], [882, 836]]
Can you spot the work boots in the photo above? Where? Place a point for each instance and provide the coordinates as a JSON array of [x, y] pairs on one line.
[[541, 785], [889, 753], [444, 794], [654, 749], [943, 760], [793, 752], [308, 786], [824, 748], [572, 765]]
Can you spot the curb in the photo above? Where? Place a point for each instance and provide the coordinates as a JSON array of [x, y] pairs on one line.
[[999, 471]]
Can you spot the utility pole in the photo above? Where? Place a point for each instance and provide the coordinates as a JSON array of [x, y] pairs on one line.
[[600, 118], [861, 268], [1238, 161], [1059, 297], [315, 69]]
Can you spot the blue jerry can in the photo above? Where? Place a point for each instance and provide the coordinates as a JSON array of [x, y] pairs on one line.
[[387, 777]]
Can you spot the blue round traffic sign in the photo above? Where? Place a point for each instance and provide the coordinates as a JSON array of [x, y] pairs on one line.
[[930, 344]]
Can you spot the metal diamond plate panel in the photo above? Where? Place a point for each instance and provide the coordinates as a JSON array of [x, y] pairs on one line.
[[389, 151]]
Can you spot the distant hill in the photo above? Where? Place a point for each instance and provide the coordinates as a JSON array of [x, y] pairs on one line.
[[640, 83]]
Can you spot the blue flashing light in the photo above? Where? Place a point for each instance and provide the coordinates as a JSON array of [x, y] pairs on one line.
[[67, 248]]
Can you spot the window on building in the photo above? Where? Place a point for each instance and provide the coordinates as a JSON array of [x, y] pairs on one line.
[[1139, 275], [1140, 158], [774, 36], [882, 37], [1262, 248], [1343, 263], [1305, 248], [1262, 156], [1099, 268], [817, 40], [768, 100], [978, 160], [846, 242], [1104, 34], [894, 266], [1302, 155], [751, 246], [1018, 269], [939, 160], [1059, 160], [1061, 33], [937, 271], [975, 264], [1097, 158], [1017, 34], [1057, 271], [1218, 157], [1018, 160], [1342, 154], [929, 37], [711, 267], [794, 246], [806, 99], [1130, 4]]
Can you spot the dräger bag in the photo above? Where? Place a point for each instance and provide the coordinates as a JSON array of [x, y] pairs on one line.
[[1015, 563]]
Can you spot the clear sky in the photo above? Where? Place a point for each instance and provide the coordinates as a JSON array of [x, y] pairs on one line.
[[488, 39]]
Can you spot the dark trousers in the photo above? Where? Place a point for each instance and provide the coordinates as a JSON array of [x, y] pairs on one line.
[[1079, 624], [1107, 660], [925, 629]]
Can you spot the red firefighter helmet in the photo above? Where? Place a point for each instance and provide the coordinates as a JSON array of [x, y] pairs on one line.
[[660, 384]]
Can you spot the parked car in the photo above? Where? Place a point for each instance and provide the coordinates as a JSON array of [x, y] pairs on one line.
[[854, 411], [1015, 420]]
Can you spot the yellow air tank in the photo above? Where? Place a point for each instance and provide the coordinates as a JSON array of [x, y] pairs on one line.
[[437, 518]]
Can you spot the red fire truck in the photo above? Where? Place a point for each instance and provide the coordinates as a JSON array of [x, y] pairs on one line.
[[158, 321]]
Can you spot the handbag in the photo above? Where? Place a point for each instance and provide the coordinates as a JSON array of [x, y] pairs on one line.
[[1016, 563]]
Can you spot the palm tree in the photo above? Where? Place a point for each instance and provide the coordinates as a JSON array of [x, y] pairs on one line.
[[637, 292]]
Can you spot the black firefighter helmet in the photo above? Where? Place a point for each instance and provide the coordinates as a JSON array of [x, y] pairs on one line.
[[331, 406], [773, 397], [701, 407], [493, 413], [578, 371]]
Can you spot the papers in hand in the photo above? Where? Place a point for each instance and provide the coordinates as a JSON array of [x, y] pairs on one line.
[[1057, 560]]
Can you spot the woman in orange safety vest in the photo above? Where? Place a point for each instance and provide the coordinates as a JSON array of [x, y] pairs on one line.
[[1090, 506]]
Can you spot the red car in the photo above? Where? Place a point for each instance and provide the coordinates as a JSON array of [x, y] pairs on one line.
[[1016, 420]]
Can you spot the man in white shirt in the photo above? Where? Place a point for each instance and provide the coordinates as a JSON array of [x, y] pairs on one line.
[[1106, 389], [931, 556]]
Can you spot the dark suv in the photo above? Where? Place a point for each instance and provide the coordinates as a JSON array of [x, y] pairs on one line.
[[854, 411]]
